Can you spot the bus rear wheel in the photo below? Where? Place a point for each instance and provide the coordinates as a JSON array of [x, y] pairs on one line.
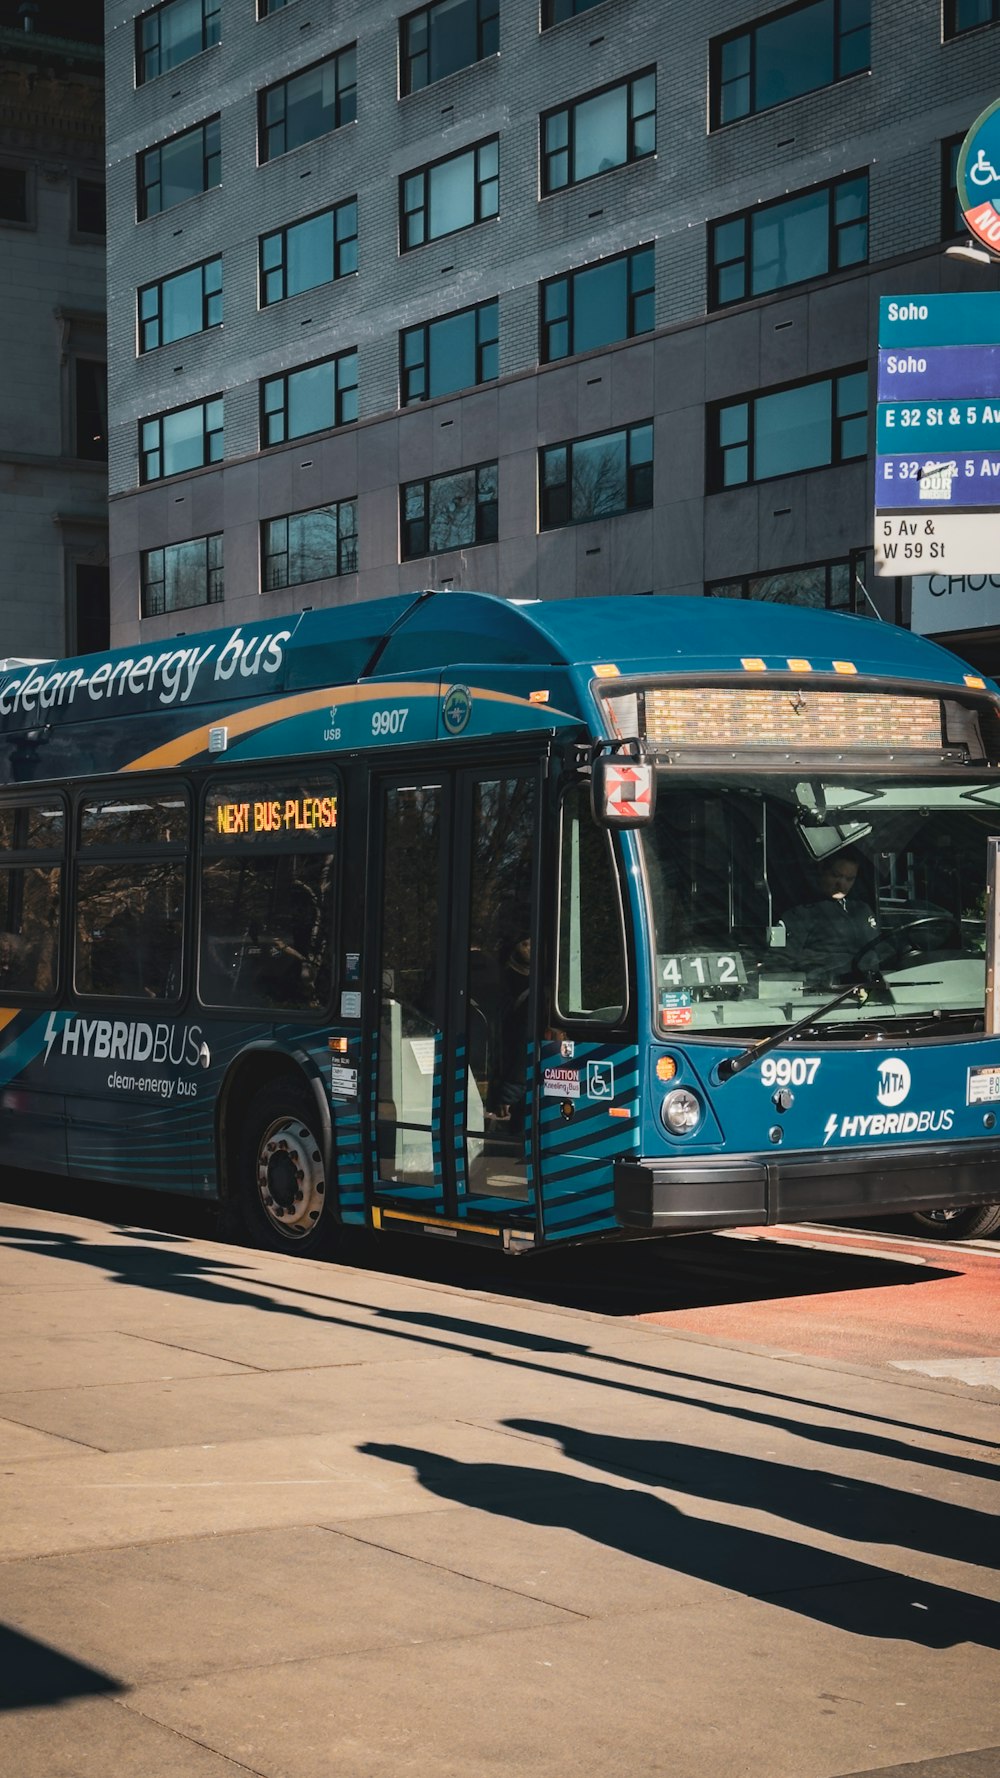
[[969, 1224], [282, 1183]]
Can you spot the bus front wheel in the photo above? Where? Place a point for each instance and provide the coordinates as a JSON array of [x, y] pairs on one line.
[[970, 1224], [283, 1188]]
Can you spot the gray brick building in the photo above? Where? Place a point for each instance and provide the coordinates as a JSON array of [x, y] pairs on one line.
[[640, 429]]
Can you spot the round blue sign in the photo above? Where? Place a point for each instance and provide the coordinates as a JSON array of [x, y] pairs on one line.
[[977, 177]]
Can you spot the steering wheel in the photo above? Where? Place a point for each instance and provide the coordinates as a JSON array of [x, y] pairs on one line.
[[897, 945]]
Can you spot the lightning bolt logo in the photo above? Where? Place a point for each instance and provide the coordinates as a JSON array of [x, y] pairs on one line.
[[831, 1128], [50, 1035]]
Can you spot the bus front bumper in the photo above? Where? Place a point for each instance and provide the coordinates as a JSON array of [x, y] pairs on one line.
[[675, 1196]]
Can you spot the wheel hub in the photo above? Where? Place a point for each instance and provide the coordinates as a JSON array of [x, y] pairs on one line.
[[290, 1178]]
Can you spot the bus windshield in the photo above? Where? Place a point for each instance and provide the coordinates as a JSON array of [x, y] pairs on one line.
[[767, 893]]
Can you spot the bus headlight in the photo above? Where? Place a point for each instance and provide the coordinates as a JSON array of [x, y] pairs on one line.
[[681, 1112]]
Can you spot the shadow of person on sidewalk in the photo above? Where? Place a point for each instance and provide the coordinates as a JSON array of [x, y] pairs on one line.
[[849, 1595], [836, 1504]]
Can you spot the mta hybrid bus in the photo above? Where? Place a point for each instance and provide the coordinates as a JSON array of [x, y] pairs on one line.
[[512, 923]]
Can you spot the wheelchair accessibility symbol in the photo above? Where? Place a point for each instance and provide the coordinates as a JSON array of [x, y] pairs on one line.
[[600, 1080], [982, 171]]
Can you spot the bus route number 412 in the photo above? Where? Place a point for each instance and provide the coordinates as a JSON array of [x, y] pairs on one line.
[[703, 969]]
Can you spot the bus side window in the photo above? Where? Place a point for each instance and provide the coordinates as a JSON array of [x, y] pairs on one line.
[[591, 975], [31, 878], [130, 895]]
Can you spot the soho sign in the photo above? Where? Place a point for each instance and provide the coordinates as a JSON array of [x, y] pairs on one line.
[[943, 602]]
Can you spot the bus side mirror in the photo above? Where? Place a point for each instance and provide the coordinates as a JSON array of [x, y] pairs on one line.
[[622, 790]]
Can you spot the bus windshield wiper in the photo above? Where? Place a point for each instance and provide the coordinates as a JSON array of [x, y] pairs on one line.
[[731, 1065]]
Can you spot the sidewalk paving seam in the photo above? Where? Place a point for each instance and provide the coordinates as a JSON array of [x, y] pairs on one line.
[[189, 1740]]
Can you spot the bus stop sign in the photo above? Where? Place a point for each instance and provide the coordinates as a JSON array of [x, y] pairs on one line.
[[977, 177]]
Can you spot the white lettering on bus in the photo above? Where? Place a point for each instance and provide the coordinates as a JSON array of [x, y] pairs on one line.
[[172, 675], [121, 1040]]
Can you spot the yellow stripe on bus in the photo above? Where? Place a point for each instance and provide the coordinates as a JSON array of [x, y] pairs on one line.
[[6, 1014], [245, 721], [380, 1216]]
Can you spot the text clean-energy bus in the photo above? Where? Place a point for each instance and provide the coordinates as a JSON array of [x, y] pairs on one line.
[[513, 923]]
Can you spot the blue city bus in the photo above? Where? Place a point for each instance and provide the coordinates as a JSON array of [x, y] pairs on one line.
[[507, 922]]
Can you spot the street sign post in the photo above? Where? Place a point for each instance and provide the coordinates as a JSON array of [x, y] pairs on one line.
[[937, 436]]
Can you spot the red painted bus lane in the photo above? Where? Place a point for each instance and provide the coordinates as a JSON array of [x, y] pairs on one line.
[[936, 1311]]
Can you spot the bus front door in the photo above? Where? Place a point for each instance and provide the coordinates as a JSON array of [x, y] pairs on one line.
[[456, 994]]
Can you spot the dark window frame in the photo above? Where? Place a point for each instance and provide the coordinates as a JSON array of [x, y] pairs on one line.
[[487, 23], [950, 27], [155, 605], [567, 10], [952, 222], [547, 154], [89, 446], [715, 482], [718, 46], [347, 545], [638, 495], [251, 850], [24, 174], [208, 298], [726, 588], [25, 857], [279, 271], [547, 322], [266, 9], [481, 183], [486, 512], [80, 231], [411, 370], [211, 133], [748, 217], [212, 437], [146, 855], [211, 34], [345, 104], [342, 391]]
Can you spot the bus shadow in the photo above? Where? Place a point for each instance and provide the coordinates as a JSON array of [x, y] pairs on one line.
[[35, 1676], [846, 1594]]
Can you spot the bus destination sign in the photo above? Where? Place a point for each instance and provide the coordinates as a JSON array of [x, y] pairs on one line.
[[290, 814]]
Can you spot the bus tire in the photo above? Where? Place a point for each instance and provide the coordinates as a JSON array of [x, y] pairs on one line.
[[970, 1224], [282, 1193]]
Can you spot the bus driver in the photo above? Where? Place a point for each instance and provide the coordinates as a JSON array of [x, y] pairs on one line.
[[826, 935]]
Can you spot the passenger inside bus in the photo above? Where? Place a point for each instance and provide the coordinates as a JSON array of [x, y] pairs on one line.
[[827, 935]]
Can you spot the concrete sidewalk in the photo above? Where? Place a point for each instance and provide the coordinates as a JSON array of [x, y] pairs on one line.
[[268, 1516]]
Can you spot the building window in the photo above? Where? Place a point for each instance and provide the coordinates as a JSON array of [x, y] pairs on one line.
[[315, 545], [187, 438], [188, 302], [90, 212], [455, 352], [554, 11], [810, 426], [449, 512], [786, 242], [180, 168], [266, 7], [966, 15], [825, 586], [442, 38], [952, 217], [309, 400], [596, 478], [14, 195], [91, 608], [181, 575], [612, 300], [308, 253], [604, 130], [174, 33], [90, 409], [795, 51], [449, 195], [309, 104]]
